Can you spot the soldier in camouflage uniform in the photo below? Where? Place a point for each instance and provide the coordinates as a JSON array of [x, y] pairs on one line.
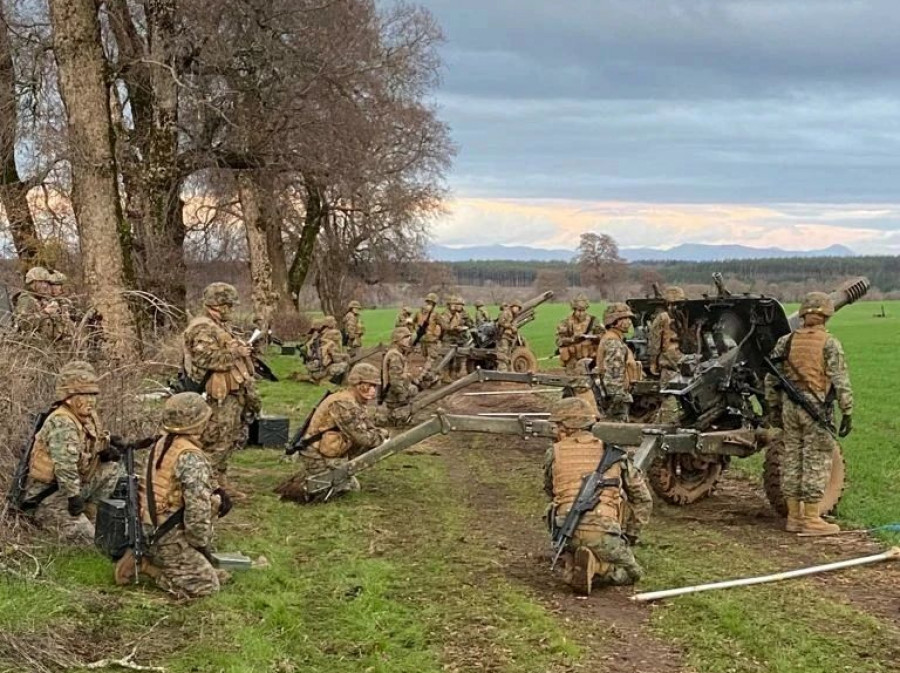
[[397, 384], [179, 481], [38, 313], [664, 349], [428, 322], [353, 329], [481, 315], [220, 362], [338, 429], [616, 367], [71, 462], [814, 361], [507, 334], [577, 335], [600, 552], [404, 318], [455, 326]]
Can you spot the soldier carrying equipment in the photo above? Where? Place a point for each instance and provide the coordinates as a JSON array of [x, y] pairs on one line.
[[300, 442]]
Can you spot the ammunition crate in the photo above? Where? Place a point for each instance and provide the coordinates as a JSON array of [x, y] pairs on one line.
[[288, 350], [111, 533], [270, 431]]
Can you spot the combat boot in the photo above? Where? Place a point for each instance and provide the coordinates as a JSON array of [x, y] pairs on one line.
[[126, 569], [813, 524], [584, 567], [794, 522]]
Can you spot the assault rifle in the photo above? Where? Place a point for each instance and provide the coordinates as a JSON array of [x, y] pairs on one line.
[[134, 528], [16, 494], [421, 329], [260, 368], [586, 500], [795, 395], [298, 443]]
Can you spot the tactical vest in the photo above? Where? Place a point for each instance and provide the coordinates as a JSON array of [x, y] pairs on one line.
[[333, 443], [433, 332], [42, 468], [160, 477], [218, 384], [806, 360], [393, 354], [506, 325], [573, 458], [633, 371]]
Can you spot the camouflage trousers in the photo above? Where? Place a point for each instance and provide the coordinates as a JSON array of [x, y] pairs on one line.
[[617, 409], [617, 563], [183, 571], [808, 449], [53, 514], [227, 429], [505, 347]]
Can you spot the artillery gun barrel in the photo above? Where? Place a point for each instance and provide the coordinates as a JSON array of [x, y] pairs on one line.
[[849, 292], [536, 301]]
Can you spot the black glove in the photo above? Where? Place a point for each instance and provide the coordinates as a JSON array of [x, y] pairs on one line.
[[846, 425], [632, 540], [110, 454], [225, 503], [76, 505]]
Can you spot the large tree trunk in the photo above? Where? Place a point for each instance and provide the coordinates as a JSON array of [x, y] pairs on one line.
[[316, 213], [13, 192], [271, 215], [95, 198], [264, 298]]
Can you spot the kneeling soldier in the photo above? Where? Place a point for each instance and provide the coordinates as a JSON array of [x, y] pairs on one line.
[[71, 460], [600, 551]]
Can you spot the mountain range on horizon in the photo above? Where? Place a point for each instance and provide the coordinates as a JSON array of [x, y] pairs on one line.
[[686, 252]]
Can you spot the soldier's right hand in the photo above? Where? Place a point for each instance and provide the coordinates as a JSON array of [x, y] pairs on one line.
[[76, 505], [225, 503], [846, 426]]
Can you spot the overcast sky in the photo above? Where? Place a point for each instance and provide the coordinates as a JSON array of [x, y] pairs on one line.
[[668, 121]]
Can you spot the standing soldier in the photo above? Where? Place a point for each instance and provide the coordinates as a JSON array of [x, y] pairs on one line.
[[481, 315], [353, 329], [398, 387], [71, 462], [221, 365], [339, 427], [664, 347], [600, 552], [507, 334], [428, 330], [455, 326], [616, 367], [404, 318], [813, 360], [577, 335], [178, 503]]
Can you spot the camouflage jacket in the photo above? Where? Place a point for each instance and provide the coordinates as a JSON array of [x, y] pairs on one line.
[[346, 425], [433, 331], [194, 474], [211, 354], [455, 327], [404, 319], [353, 329], [72, 445], [506, 326], [663, 340], [395, 377], [570, 337], [43, 316], [481, 316], [615, 366]]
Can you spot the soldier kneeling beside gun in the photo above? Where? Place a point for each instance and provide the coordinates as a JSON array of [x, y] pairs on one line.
[[600, 502]]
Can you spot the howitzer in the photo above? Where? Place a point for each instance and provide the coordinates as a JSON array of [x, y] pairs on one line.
[[340, 378], [586, 500]]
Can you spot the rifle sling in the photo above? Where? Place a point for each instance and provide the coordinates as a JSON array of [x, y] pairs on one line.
[[312, 439]]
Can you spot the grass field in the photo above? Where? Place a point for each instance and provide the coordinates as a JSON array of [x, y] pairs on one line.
[[436, 566]]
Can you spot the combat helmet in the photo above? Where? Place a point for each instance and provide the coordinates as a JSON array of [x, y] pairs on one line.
[[573, 413], [363, 373], [37, 274], [220, 294], [329, 322], [399, 334], [431, 297], [76, 378], [479, 303], [354, 304], [580, 302], [185, 414], [516, 303], [674, 293], [57, 278], [332, 334], [616, 311], [817, 302]]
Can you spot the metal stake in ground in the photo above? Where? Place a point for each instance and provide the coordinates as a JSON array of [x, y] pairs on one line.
[[890, 555]]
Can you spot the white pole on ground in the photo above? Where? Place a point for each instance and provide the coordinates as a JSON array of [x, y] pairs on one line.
[[891, 554]]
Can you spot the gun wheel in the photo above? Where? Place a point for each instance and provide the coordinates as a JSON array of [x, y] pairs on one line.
[[682, 479], [773, 467], [523, 360]]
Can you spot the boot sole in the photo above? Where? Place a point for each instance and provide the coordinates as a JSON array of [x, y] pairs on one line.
[[582, 571]]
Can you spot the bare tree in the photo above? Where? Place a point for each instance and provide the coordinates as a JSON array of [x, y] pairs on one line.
[[598, 261], [95, 197]]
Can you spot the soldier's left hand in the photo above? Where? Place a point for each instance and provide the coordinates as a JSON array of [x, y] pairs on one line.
[[225, 503], [846, 426]]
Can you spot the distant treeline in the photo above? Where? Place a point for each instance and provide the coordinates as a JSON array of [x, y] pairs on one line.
[[883, 272]]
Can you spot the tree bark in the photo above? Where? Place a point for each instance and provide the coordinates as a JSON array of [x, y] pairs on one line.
[[271, 215], [13, 192], [264, 298], [316, 213], [95, 198]]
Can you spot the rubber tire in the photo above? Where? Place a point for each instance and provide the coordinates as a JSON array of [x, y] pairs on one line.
[[834, 489], [523, 360], [671, 488]]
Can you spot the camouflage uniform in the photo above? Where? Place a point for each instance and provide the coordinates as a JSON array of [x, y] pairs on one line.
[[577, 335], [664, 349], [71, 461], [455, 326], [404, 318], [507, 335], [180, 479], [344, 425], [398, 385], [600, 551], [214, 354], [616, 365], [814, 361], [40, 314], [331, 360], [353, 329], [431, 339], [481, 316]]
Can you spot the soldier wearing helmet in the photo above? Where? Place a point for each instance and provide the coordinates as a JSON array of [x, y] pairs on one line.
[[338, 428], [481, 315], [616, 367], [664, 344], [507, 333], [398, 386], [220, 363], [427, 330], [71, 463], [600, 552], [577, 335], [178, 483], [404, 318], [352, 329], [38, 311], [455, 326], [814, 361]]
